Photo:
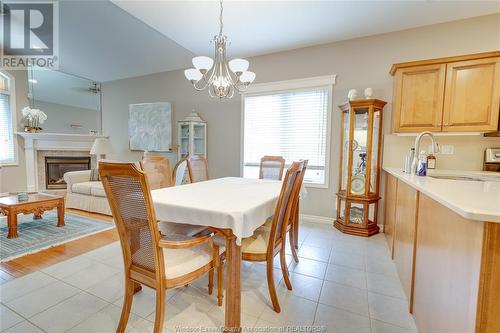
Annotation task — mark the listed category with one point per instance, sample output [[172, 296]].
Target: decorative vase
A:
[[353, 94], [368, 93]]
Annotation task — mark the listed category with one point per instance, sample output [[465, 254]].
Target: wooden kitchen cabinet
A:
[[404, 236], [418, 98], [472, 95], [390, 198], [454, 94]]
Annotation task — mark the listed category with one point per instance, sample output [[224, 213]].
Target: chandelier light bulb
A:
[[193, 75], [238, 66], [203, 64], [247, 77]]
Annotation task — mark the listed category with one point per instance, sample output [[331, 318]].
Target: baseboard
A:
[[316, 219]]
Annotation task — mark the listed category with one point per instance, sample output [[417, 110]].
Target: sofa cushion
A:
[[82, 188], [97, 190]]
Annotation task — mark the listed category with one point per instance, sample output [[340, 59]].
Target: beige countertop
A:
[[474, 200]]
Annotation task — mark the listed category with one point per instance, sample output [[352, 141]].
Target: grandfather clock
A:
[[359, 172]]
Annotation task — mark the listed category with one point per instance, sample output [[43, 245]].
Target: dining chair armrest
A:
[[182, 241]]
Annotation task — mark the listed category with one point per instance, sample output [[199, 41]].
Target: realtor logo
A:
[[30, 34]]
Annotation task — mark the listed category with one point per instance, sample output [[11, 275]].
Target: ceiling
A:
[[109, 40], [259, 27]]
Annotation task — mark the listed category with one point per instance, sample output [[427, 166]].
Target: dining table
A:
[[232, 205]]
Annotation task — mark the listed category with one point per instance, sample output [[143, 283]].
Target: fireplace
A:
[[57, 166]]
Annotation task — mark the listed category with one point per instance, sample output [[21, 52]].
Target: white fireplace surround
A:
[[34, 142]]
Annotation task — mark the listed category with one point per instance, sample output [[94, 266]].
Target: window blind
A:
[[290, 124], [6, 130]]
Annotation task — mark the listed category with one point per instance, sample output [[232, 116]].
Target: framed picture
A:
[[150, 127]]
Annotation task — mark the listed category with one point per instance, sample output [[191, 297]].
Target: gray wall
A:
[[359, 63], [60, 117]]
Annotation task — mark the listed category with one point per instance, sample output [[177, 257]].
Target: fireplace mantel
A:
[[51, 141]]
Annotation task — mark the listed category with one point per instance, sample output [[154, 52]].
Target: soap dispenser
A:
[[422, 164]]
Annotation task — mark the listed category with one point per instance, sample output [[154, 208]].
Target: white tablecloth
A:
[[239, 204]]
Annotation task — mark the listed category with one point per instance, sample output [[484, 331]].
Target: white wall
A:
[[60, 117], [359, 63]]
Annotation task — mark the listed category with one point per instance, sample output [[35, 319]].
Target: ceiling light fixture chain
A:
[[222, 78]]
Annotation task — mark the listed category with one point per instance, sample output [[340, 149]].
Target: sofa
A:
[[85, 194]]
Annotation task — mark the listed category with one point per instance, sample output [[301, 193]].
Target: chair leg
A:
[[160, 309], [292, 244], [296, 229], [271, 286], [284, 268], [210, 281], [127, 305], [220, 276]]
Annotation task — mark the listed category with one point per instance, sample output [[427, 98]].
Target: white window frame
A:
[[293, 85], [12, 93]]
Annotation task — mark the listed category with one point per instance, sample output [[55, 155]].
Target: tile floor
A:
[[343, 283]]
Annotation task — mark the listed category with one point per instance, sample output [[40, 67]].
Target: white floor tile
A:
[[344, 275], [8, 318], [345, 297], [303, 286], [42, 298], [385, 284], [390, 310], [91, 275], [24, 327], [68, 313], [104, 321], [24, 285], [340, 321], [309, 267], [69, 267], [347, 259], [315, 253], [381, 266], [294, 311], [110, 289], [381, 327]]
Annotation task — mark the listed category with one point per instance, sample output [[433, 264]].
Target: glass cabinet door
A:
[[359, 151], [374, 152], [184, 144], [199, 139], [345, 150]]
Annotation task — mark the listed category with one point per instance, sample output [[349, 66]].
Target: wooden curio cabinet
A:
[[359, 172]]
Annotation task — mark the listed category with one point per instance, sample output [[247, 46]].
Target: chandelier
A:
[[220, 77]]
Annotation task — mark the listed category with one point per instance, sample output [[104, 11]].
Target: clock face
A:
[[358, 184]]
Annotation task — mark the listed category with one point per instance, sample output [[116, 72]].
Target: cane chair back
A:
[[158, 170], [271, 167], [289, 190], [198, 168], [180, 171], [128, 193]]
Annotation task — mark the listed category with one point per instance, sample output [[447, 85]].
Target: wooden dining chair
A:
[[158, 169], [271, 167], [269, 239], [179, 172], [151, 258], [293, 230], [198, 168]]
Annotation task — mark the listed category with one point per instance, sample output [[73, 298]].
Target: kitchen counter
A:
[[474, 200]]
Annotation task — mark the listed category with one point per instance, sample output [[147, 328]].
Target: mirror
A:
[[72, 103]]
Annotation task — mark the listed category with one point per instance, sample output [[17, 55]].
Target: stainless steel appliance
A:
[[492, 159]]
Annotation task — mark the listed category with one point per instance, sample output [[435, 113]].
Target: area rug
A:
[[37, 235]]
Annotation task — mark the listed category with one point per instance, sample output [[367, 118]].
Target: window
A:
[[290, 123], [7, 151]]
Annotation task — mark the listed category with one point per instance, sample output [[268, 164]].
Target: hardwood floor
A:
[[24, 265]]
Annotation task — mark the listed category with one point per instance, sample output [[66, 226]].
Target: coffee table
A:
[[36, 204]]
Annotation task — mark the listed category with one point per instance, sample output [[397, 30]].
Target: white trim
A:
[[305, 218], [305, 83], [13, 110], [266, 87]]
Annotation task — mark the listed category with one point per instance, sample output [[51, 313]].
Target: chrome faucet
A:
[[435, 149]]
